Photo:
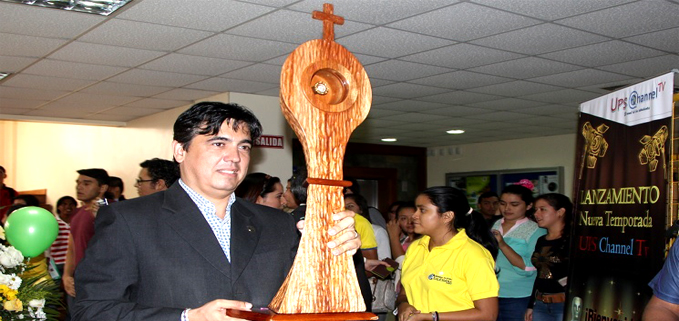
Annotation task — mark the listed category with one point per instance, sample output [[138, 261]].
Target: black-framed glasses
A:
[[139, 181]]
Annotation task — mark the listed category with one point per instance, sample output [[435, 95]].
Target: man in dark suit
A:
[[194, 250]]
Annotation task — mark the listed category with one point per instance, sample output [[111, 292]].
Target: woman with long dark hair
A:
[[553, 212], [516, 235], [260, 188], [448, 273]]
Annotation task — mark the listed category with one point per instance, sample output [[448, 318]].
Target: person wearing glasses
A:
[[156, 175]]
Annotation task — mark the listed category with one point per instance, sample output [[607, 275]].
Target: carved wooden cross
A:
[[329, 21], [325, 94]]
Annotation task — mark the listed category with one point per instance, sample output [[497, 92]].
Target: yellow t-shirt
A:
[[450, 277], [365, 231]]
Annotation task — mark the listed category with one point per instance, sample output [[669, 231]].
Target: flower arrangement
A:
[[26, 293]]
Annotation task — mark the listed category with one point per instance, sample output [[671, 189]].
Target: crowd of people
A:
[[149, 258]]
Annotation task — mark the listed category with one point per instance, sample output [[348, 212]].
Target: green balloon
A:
[[31, 230]]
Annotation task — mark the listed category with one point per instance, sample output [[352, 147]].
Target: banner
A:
[[620, 196]]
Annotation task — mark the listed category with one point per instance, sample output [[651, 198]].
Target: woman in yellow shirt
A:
[[448, 274]]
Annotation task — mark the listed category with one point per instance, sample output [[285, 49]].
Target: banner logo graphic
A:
[[595, 144], [654, 146]]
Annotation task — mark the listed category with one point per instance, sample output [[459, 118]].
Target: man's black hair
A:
[[206, 118], [97, 173], [163, 169]]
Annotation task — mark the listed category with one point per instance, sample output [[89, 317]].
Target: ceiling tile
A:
[[398, 70], [579, 78], [409, 106], [30, 46], [460, 80], [493, 124], [527, 67], [141, 35], [516, 88], [407, 91], [63, 84], [238, 48], [158, 103], [104, 55], [379, 112], [14, 64], [662, 40], [10, 103], [603, 53], [460, 22], [506, 104], [377, 99], [194, 65], [108, 117], [48, 67], [120, 89], [13, 111], [272, 3], [29, 93], [186, 94], [563, 96], [391, 43], [458, 111], [638, 17], [300, 27], [273, 92], [158, 78], [69, 109], [646, 68], [498, 116], [540, 39], [550, 9], [44, 22], [257, 72], [459, 98], [202, 15], [462, 56], [192, 50], [230, 85], [547, 110], [131, 111], [376, 82], [79, 100], [367, 11]]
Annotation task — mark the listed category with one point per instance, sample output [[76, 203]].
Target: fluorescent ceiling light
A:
[[101, 7], [390, 140], [455, 131]]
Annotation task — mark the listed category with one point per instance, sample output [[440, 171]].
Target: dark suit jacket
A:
[[154, 256]]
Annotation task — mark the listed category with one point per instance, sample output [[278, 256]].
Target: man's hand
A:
[[69, 284], [216, 310], [346, 238]]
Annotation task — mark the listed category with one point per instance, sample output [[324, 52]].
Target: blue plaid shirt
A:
[[220, 227]]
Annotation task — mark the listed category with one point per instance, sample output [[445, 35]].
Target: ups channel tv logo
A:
[[444, 279]]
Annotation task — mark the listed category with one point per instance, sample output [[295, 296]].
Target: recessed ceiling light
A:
[[390, 139], [455, 131], [100, 7]]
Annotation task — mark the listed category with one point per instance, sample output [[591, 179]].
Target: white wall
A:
[[46, 155], [549, 151], [275, 162]]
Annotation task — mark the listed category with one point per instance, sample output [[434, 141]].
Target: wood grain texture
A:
[[320, 282]]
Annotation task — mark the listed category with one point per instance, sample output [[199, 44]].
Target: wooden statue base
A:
[[267, 315]]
